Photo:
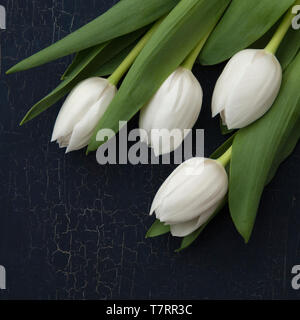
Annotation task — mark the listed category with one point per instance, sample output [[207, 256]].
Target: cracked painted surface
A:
[[71, 229]]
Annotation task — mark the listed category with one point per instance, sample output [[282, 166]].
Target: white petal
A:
[[77, 104], [185, 228], [188, 193], [247, 88], [229, 79], [195, 194], [84, 129], [176, 106], [255, 93], [168, 187]]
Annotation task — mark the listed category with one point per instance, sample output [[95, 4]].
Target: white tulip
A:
[[190, 195], [247, 88], [176, 105], [81, 113]]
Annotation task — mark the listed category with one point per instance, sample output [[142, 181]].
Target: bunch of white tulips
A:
[[245, 91]]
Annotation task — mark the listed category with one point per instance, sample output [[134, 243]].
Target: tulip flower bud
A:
[[190, 195], [247, 88], [81, 113], [176, 105]]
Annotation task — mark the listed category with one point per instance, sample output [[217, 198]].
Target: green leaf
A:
[[109, 67], [85, 66], [263, 41], [284, 152], [289, 48], [223, 148], [157, 229], [125, 17], [77, 59], [243, 23], [188, 240], [224, 129], [116, 51], [174, 39], [259, 149]]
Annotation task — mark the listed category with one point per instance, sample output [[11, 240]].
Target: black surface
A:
[[72, 229]]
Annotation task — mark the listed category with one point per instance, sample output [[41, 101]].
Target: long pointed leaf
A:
[[125, 17], [119, 45]]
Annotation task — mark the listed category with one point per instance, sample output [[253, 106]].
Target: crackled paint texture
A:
[[71, 229]]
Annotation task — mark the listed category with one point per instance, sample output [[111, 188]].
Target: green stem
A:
[[129, 60], [280, 33], [190, 60], [226, 157]]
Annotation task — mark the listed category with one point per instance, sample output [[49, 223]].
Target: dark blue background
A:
[[72, 229]]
